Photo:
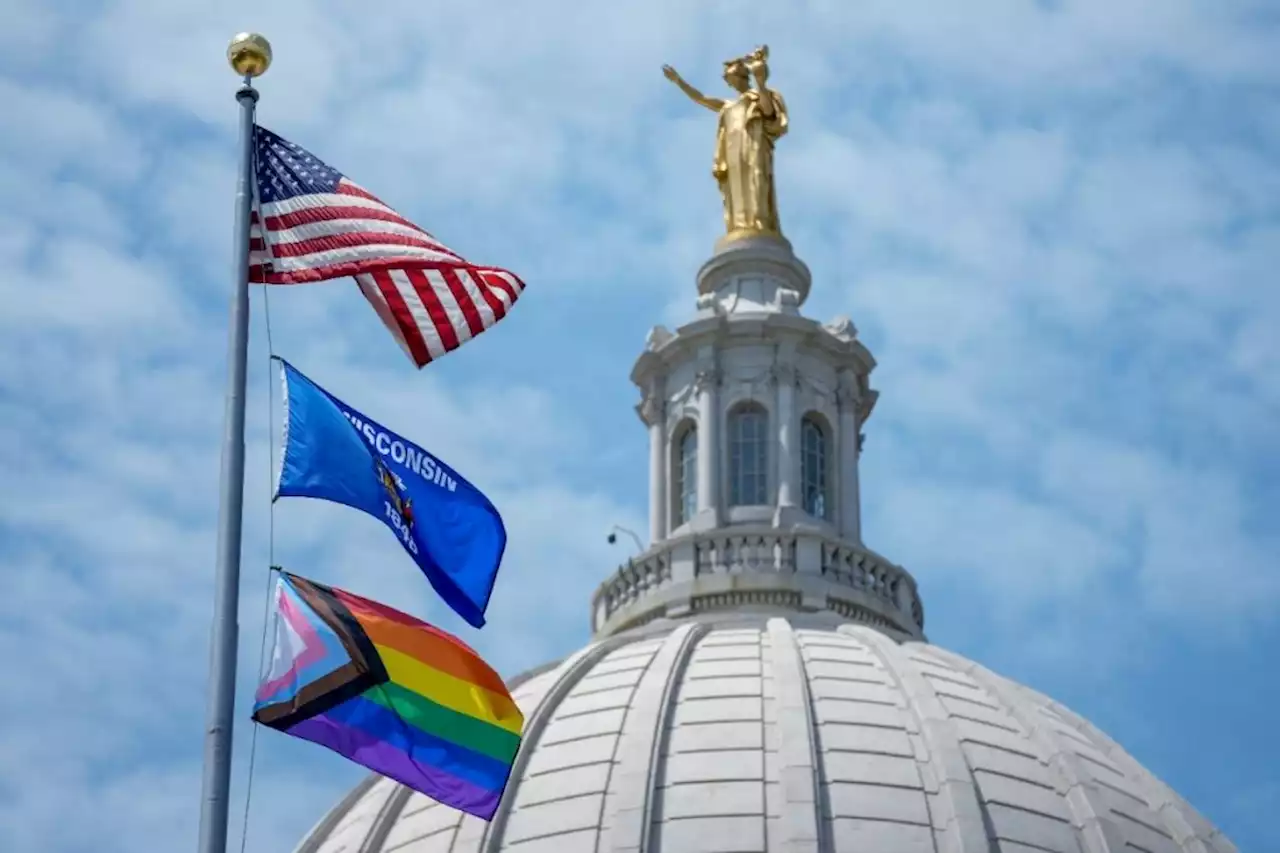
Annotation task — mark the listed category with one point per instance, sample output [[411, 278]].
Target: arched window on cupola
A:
[[748, 455], [815, 459], [685, 473]]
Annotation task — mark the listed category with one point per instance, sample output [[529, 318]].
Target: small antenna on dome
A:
[[613, 537]]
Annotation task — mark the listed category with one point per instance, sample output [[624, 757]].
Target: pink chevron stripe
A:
[[312, 646]]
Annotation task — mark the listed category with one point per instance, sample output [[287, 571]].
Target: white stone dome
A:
[[745, 732], [759, 680]]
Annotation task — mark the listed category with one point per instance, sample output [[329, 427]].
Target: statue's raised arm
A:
[[749, 125], [713, 104]]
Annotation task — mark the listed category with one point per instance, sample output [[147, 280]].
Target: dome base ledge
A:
[[777, 594]]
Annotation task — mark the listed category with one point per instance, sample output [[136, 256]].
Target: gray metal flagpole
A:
[[250, 56]]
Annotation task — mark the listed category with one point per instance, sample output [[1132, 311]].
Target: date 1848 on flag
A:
[[311, 223]]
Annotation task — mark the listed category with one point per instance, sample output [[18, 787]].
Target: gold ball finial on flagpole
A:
[[249, 54]]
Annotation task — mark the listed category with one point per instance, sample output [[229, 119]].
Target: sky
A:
[[1056, 224]]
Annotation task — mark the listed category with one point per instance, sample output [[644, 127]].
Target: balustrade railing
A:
[[635, 579], [733, 554], [766, 551]]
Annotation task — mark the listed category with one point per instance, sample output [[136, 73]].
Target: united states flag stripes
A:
[[310, 223], [432, 310]]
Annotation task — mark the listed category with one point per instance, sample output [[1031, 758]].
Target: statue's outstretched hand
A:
[[671, 74]]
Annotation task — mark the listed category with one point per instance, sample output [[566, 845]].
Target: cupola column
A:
[[707, 386], [784, 378], [850, 499], [653, 411]]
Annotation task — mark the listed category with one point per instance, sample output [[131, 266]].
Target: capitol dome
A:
[[759, 680]]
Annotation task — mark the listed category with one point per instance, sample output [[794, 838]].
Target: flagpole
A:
[[250, 56]]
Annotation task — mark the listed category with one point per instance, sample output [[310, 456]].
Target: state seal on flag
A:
[[402, 505]]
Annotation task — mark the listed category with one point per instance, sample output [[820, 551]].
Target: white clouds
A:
[[1020, 170], [1201, 559], [112, 574], [87, 288], [1147, 199], [1036, 48], [47, 128], [1063, 267], [1018, 550], [32, 26]]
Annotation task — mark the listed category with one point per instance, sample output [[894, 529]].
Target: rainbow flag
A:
[[391, 693]]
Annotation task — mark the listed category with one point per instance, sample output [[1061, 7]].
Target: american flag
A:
[[310, 223]]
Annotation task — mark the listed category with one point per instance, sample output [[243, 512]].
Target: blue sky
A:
[[1056, 225]]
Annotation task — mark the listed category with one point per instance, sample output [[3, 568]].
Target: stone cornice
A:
[[681, 346]]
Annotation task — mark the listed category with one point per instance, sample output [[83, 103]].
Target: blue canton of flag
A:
[[450, 529], [311, 223], [286, 170]]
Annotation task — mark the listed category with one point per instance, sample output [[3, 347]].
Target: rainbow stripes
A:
[[391, 693]]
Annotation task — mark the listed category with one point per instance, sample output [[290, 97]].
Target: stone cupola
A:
[[755, 415]]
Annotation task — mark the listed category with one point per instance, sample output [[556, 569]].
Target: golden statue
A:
[[750, 124]]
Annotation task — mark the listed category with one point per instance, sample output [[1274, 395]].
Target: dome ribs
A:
[[710, 772], [562, 800], [873, 792], [1177, 816], [574, 669], [323, 830], [639, 756], [801, 824], [386, 820], [964, 825], [422, 826], [787, 732], [412, 823], [1089, 810], [352, 826]]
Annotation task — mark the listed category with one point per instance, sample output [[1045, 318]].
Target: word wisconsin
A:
[[413, 458]]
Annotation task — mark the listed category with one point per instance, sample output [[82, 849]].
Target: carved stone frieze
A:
[[707, 379], [842, 327], [784, 373], [652, 409]]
